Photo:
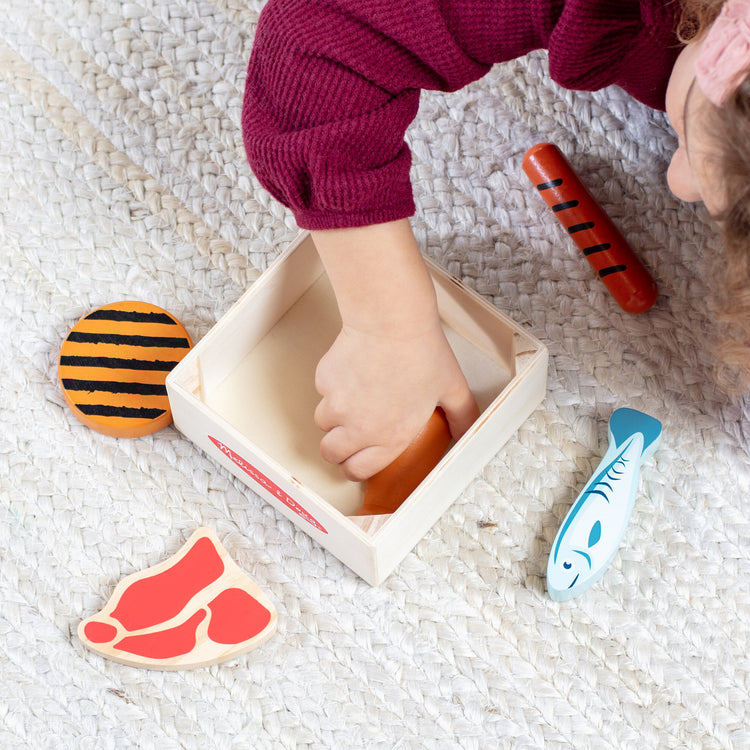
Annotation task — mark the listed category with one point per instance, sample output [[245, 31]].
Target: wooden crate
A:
[[245, 394]]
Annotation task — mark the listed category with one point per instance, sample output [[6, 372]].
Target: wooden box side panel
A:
[[372, 555], [403, 530], [473, 318], [257, 311], [263, 476]]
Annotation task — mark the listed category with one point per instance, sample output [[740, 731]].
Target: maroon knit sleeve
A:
[[332, 87], [629, 43]]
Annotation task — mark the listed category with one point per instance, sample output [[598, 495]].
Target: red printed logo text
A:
[[267, 484]]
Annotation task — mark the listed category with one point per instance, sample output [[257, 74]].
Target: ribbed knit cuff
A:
[[313, 220]]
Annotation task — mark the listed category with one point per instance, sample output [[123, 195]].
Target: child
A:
[[332, 86]]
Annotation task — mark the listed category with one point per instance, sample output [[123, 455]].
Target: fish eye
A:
[[567, 565]]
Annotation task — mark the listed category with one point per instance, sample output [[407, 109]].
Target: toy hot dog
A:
[[593, 231], [387, 489]]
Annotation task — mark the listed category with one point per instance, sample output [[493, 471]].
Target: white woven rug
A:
[[122, 175]]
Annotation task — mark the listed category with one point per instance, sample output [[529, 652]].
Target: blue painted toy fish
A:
[[592, 530]]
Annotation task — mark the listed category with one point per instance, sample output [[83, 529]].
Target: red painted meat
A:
[[195, 609]]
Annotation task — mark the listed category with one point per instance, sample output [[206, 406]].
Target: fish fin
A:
[[595, 534]]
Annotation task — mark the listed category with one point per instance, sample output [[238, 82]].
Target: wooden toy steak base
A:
[[386, 490], [195, 609]]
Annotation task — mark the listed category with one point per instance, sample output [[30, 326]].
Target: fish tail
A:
[[626, 422]]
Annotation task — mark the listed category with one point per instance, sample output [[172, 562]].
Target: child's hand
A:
[[379, 391], [391, 365]]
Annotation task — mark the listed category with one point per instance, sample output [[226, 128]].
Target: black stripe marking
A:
[[596, 248], [113, 386], [165, 342], [114, 363], [580, 227], [612, 269], [100, 410], [562, 206], [547, 185], [131, 316]]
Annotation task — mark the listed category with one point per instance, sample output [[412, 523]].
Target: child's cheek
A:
[[680, 177]]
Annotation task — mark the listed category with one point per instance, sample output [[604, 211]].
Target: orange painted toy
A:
[[593, 231], [113, 365], [387, 489]]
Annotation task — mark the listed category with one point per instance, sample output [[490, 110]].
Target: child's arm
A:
[[391, 364]]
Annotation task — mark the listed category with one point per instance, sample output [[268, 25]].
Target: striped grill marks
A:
[[590, 228], [113, 366], [579, 226]]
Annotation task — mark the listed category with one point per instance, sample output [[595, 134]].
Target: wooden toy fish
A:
[[591, 533]]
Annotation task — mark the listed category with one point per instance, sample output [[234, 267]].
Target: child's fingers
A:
[[324, 417], [357, 457], [357, 463], [365, 463], [461, 411], [336, 446]]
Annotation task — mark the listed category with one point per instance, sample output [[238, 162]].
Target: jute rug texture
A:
[[123, 176]]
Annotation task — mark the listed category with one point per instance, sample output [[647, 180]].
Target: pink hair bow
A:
[[724, 60]]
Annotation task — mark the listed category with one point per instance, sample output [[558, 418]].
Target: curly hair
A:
[[731, 127], [697, 16]]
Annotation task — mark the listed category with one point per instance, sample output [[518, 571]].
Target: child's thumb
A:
[[461, 411]]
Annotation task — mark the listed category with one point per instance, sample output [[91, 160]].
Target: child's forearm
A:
[[391, 364], [381, 283]]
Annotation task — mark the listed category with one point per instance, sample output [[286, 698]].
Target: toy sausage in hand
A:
[[593, 231], [387, 489]]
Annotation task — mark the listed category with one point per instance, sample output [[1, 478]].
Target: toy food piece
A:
[[593, 231], [195, 609], [591, 533], [113, 365], [387, 489]]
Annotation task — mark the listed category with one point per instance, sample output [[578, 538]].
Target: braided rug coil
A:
[[123, 176]]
